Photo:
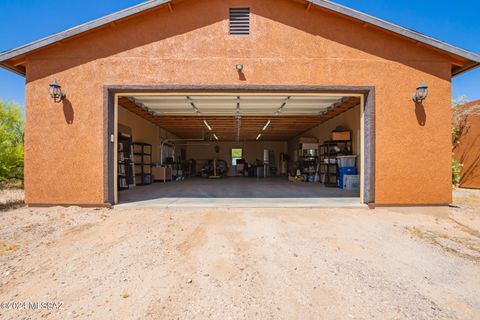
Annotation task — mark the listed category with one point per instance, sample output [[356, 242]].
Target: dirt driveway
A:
[[241, 263]]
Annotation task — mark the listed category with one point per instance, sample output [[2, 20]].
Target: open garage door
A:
[[212, 147]]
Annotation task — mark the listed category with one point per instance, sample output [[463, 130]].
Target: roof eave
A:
[[408, 33], [97, 23], [460, 71], [16, 70]]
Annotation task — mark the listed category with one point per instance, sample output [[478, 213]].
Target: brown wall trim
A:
[[45, 205], [369, 118], [108, 157], [391, 206], [238, 88], [369, 148]]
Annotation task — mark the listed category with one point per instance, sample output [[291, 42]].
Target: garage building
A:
[[238, 99]]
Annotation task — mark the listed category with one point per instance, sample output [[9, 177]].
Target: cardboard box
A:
[[162, 173], [309, 146], [345, 135], [303, 140]]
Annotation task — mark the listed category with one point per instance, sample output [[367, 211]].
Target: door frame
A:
[[367, 122]]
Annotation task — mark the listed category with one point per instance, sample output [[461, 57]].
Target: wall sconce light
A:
[[239, 67], [421, 93], [56, 92]]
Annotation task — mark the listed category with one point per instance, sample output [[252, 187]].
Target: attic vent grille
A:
[[239, 21]]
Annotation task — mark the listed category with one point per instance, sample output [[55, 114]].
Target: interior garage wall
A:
[[350, 120], [144, 131], [252, 150]]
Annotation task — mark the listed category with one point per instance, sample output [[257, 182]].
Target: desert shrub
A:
[[456, 170], [11, 142]]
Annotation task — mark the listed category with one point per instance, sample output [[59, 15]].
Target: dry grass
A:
[[465, 247], [416, 232], [7, 247]]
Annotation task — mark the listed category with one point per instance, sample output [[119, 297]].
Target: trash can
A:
[[346, 161], [342, 172], [346, 166]]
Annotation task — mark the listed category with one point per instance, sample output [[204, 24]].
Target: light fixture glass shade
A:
[[56, 91], [421, 92]]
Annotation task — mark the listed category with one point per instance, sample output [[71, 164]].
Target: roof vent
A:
[[239, 21]]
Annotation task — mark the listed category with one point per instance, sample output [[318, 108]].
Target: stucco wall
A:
[[288, 45], [467, 151]]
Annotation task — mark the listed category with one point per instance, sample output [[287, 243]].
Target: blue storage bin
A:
[[343, 171]]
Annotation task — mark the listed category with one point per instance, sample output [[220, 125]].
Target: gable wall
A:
[[191, 45]]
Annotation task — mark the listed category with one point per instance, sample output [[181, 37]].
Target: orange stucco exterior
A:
[[64, 149]]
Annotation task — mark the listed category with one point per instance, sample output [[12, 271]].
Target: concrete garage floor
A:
[[237, 192]]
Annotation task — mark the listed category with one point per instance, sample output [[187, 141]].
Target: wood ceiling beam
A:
[[282, 127]]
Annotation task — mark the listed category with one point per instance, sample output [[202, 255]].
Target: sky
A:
[[456, 23]]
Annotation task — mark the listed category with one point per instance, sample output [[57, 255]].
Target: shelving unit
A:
[[309, 166], [308, 160], [125, 163], [329, 151], [142, 153]]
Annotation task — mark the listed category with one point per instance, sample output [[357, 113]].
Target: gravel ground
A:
[[11, 198], [389, 263]]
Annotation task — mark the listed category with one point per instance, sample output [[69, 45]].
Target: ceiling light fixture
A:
[[193, 105], [207, 125], [238, 119], [266, 125], [283, 105], [258, 137], [238, 123], [215, 136]]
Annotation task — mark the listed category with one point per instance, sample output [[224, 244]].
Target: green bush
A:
[[11, 141], [456, 169], [456, 134]]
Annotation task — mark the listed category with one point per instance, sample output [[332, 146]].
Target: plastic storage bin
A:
[[351, 182], [346, 161], [344, 171]]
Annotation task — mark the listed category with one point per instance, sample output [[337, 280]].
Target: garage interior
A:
[[249, 145]]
